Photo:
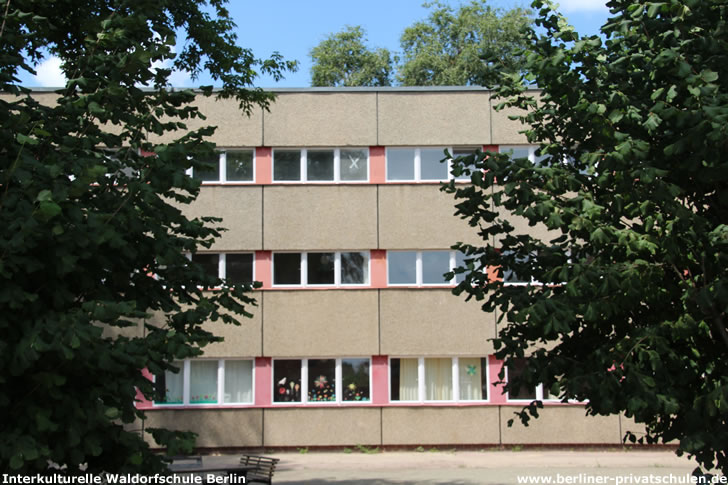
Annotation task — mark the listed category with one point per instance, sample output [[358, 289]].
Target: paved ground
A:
[[478, 467]]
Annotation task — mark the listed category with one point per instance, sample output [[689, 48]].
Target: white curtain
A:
[[408, 380], [203, 381], [173, 384], [238, 381], [438, 379], [471, 379]]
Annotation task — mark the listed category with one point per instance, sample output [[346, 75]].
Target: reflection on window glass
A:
[[286, 165], [353, 164], [203, 382], [516, 367], [431, 167], [239, 165], [354, 268], [355, 379], [238, 381], [287, 269], [473, 378], [400, 163], [517, 152], [208, 261], [402, 267], [210, 172], [239, 268], [168, 386], [463, 152], [434, 265], [320, 165], [321, 268], [321, 380], [287, 380], [459, 262], [403, 379]]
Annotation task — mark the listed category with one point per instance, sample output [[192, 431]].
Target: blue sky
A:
[[293, 28]]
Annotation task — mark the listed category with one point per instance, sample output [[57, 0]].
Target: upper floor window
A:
[[321, 268], [438, 379], [422, 164], [233, 268], [321, 380], [202, 381], [522, 151], [321, 165], [235, 166], [423, 268], [515, 368]]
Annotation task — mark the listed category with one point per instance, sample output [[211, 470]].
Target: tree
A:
[[92, 239], [343, 59], [629, 312], [450, 48]]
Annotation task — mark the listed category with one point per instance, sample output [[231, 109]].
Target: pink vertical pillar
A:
[[379, 268], [263, 165], [263, 268], [141, 401], [496, 391], [380, 379], [263, 380], [377, 165]]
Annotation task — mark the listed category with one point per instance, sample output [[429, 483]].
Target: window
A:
[[233, 268], [421, 164], [523, 151], [321, 269], [512, 276], [422, 268], [228, 166], [438, 379], [333, 381], [321, 165], [515, 368], [202, 381]]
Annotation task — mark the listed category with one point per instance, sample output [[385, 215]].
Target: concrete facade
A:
[[315, 323]]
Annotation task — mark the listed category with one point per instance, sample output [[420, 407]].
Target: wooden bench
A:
[[265, 466]]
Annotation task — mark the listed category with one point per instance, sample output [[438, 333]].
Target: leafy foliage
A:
[[343, 59], [470, 46], [83, 229], [628, 235]]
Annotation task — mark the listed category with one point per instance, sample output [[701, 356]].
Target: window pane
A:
[[516, 367], [287, 269], [402, 267], [403, 380], [434, 265], [239, 268], [238, 381], [287, 381], [473, 378], [287, 165], [459, 262], [168, 386], [321, 380], [239, 166], [463, 152], [431, 168], [203, 381], [320, 165], [354, 268], [516, 152], [321, 268], [438, 379], [400, 164], [355, 379], [353, 164], [209, 173], [209, 262], [510, 275]]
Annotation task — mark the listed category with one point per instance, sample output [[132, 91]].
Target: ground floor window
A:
[[438, 379], [344, 380], [206, 381]]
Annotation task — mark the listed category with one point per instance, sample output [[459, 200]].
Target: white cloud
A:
[[582, 5], [179, 79], [49, 73]]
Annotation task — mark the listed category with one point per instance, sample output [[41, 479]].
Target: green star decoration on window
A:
[[471, 370]]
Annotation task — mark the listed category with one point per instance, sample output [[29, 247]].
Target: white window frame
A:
[[419, 271], [222, 169], [222, 262], [338, 388], [185, 371], [418, 164], [337, 271], [422, 392], [337, 166]]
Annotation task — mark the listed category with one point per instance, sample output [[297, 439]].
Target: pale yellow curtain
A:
[[408, 380], [238, 381], [438, 379], [470, 379]]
